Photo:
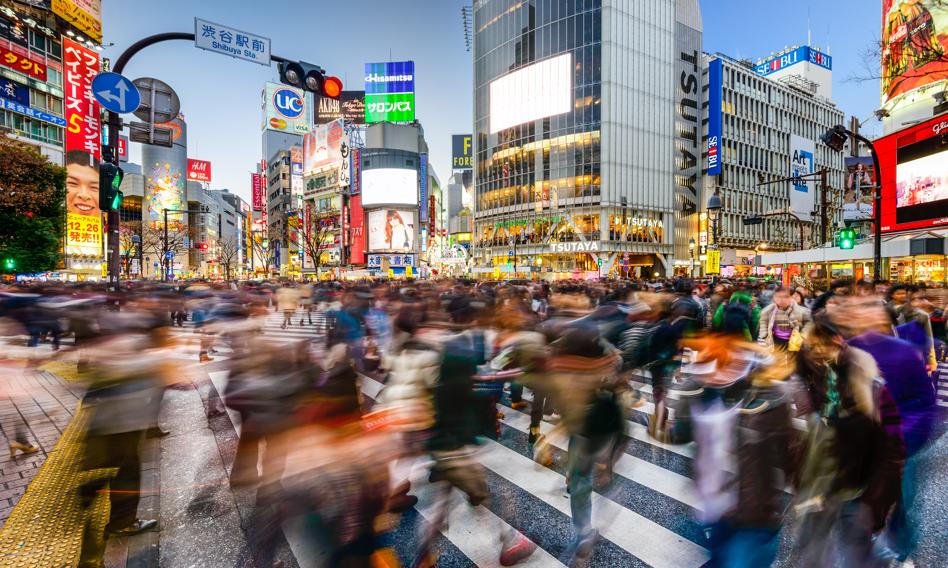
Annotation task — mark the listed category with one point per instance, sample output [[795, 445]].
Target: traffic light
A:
[[9, 265], [310, 78], [846, 238], [110, 180], [202, 246], [836, 138]]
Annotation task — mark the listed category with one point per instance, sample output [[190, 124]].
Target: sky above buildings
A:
[[221, 96]]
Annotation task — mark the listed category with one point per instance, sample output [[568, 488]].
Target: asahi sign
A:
[[579, 246]]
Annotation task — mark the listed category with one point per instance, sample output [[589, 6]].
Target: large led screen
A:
[[391, 230], [921, 181], [389, 186], [534, 92]]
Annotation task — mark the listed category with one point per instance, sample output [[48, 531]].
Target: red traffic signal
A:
[[202, 246], [332, 87]]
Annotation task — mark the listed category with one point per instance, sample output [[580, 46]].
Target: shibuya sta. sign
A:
[[579, 246]]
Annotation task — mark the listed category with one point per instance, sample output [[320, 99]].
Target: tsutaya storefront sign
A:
[[579, 246]]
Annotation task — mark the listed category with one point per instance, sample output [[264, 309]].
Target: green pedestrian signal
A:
[[9, 264], [846, 238], [110, 180]]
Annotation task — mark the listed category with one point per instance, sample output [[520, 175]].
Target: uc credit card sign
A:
[[286, 109]]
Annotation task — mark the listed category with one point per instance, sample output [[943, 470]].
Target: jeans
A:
[[741, 547], [852, 521], [902, 533], [582, 458]]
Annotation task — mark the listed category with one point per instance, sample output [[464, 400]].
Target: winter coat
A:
[[799, 318]]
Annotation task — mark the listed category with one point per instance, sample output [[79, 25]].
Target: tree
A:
[[32, 208], [128, 248], [262, 251], [154, 242], [909, 48], [227, 253], [319, 236]]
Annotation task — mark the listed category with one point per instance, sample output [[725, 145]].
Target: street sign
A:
[[159, 101], [115, 92], [712, 264], [169, 254], [148, 133], [229, 41]]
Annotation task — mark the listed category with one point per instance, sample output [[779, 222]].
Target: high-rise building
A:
[[764, 128], [279, 205], [587, 143]]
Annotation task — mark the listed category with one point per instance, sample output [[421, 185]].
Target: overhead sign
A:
[[803, 54], [715, 95], [350, 106], [286, 109], [233, 42], [462, 152], [23, 64], [84, 15], [80, 66], [390, 91], [116, 93], [199, 170], [712, 262], [159, 101], [802, 198]]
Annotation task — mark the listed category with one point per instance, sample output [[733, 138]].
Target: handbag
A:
[[796, 340]]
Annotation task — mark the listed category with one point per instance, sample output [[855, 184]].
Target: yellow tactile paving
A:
[[45, 528]]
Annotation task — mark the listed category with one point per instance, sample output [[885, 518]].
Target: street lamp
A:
[[137, 242], [714, 214], [691, 255], [836, 138]]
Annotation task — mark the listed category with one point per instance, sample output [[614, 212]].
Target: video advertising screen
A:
[[531, 93], [921, 185], [389, 186], [391, 230]]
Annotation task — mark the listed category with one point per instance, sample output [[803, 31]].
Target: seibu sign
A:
[[199, 170], [579, 246]]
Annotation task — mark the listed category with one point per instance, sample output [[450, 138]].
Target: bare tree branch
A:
[[319, 236], [228, 251]]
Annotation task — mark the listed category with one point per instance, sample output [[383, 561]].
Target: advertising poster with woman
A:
[[391, 230], [914, 45], [857, 197]]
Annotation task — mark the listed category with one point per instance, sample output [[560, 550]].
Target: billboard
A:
[[857, 196], [531, 93], [715, 93], [356, 230], [286, 109], [23, 64], [199, 170], [390, 91], [296, 170], [84, 15], [391, 230], [323, 147], [355, 182], [389, 186], [350, 107], [83, 235], [462, 152], [803, 54], [914, 170], [257, 192], [165, 171], [801, 163], [423, 187], [914, 45]]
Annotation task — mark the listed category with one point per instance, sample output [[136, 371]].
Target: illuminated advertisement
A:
[[801, 164], [423, 187], [84, 15], [389, 186], [296, 170], [257, 190], [531, 93], [390, 91], [80, 65], [83, 235], [286, 109], [914, 45], [391, 230], [715, 92], [857, 197], [323, 147], [803, 54], [350, 106], [23, 64], [462, 152], [356, 230], [199, 170], [914, 166]]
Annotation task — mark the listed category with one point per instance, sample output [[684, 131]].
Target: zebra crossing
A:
[[942, 385], [271, 332]]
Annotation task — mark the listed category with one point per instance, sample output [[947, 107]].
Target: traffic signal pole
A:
[[114, 125]]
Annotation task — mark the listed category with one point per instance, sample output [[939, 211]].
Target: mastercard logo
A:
[[277, 122]]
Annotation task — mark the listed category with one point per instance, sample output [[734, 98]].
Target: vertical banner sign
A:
[[83, 151], [801, 164], [248, 227], [423, 191], [80, 65], [356, 230], [256, 185], [715, 86], [355, 184], [296, 171], [712, 264]]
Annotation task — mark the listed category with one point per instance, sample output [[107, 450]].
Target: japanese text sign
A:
[[23, 64], [229, 41], [83, 235], [80, 66]]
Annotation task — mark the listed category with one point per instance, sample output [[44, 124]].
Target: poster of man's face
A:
[[82, 183]]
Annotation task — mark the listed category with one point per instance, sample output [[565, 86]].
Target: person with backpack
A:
[[738, 315]]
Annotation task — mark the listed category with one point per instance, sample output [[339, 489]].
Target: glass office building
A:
[[587, 136]]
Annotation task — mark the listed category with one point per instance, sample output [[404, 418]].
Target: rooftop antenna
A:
[[809, 33]]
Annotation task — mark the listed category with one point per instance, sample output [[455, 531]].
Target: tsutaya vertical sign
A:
[[801, 164], [687, 121], [715, 87], [80, 65]]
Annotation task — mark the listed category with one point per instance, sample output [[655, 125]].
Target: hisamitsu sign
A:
[[229, 41]]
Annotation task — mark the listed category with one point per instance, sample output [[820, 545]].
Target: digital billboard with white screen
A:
[[921, 184], [531, 93], [389, 186]]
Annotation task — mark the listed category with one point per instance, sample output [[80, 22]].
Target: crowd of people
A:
[[810, 412]]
